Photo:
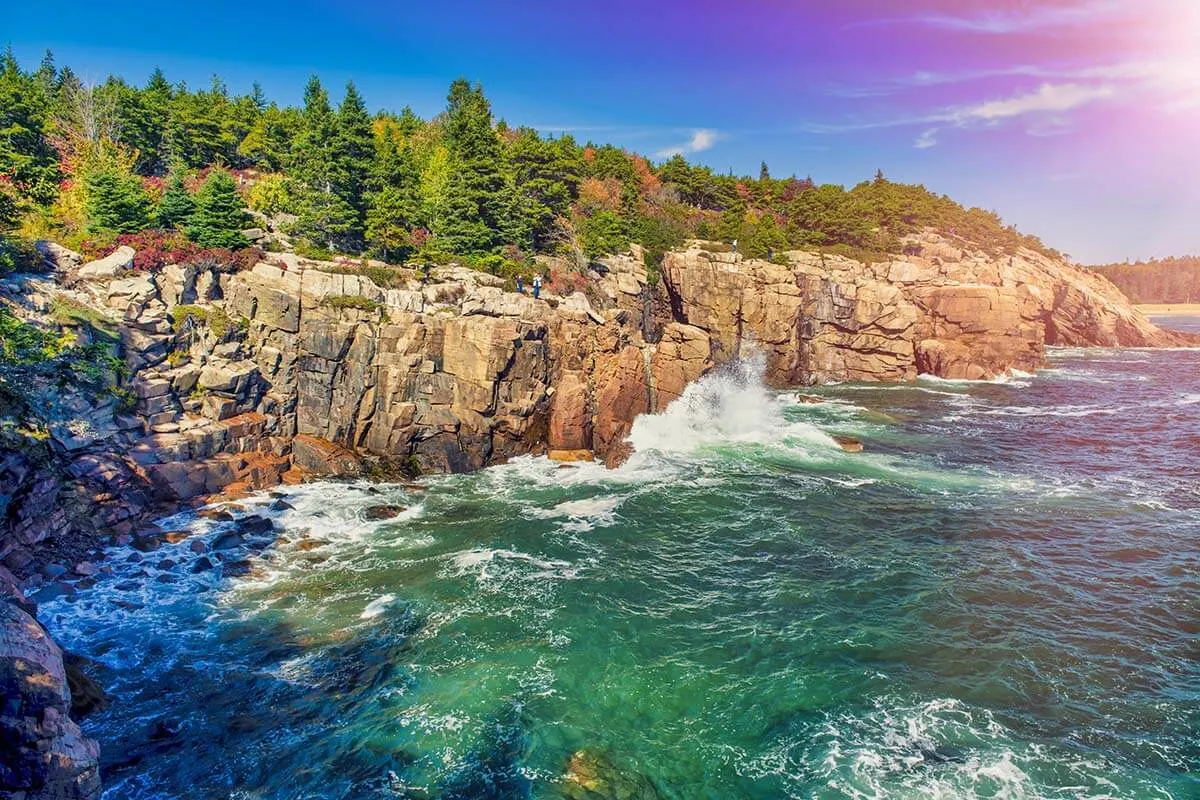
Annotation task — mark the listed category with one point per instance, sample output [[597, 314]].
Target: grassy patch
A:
[[355, 301], [382, 276], [212, 317]]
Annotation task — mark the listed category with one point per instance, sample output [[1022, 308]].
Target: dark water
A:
[[1000, 598]]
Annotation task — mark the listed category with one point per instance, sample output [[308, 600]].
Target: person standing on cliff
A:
[[520, 284], [735, 246], [537, 286]]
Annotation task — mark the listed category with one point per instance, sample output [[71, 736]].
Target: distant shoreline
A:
[[1169, 309]]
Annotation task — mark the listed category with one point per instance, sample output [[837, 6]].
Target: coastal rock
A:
[[43, 753]]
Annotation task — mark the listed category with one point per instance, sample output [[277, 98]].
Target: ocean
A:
[[998, 598]]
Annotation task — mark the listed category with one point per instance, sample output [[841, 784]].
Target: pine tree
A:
[[177, 206], [393, 202], [389, 220], [354, 150], [27, 160], [116, 201], [325, 218], [474, 210], [220, 215]]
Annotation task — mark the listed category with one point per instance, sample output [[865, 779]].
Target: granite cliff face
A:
[[938, 310], [243, 379], [240, 380]]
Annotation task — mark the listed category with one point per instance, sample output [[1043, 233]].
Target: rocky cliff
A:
[[295, 368], [298, 367]]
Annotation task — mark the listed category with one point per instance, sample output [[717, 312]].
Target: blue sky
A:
[[1076, 119]]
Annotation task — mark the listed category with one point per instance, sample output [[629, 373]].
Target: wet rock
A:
[[175, 537], [228, 540], [809, 399], [202, 564], [590, 775], [147, 543], [128, 586], [86, 694], [167, 563], [849, 444], [86, 568], [281, 505], [45, 755], [382, 512], [237, 569], [571, 456], [255, 525], [198, 546]]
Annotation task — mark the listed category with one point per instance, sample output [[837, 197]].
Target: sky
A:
[[1077, 120]]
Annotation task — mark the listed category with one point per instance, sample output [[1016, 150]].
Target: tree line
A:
[[84, 163], [1167, 280]]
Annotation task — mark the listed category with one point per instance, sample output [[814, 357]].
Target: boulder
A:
[[45, 755], [232, 378], [321, 457], [112, 265], [382, 512], [57, 256]]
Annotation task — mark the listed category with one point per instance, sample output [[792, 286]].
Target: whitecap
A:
[[377, 606]]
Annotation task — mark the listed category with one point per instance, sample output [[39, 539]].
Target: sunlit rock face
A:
[[937, 310]]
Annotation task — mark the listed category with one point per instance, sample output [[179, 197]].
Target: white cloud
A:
[[1037, 18], [1047, 98], [1057, 97], [702, 139], [927, 139]]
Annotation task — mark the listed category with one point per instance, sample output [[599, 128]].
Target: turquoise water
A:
[[998, 598]]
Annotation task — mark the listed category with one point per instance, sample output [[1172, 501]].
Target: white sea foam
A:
[[476, 561], [729, 406], [377, 606]]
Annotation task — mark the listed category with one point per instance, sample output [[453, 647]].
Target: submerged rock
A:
[[86, 694], [591, 775], [382, 512], [849, 444]]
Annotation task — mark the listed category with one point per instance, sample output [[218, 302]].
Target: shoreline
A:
[[1169, 309]]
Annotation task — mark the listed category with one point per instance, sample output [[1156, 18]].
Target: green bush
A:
[[219, 323], [355, 301], [18, 255]]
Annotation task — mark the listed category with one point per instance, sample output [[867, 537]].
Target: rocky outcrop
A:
[[939, 309], [43, 754]]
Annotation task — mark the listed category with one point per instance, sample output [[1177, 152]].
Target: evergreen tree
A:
[[220, 215], [766, 238], [354, 151], [603, 233], [546, 175], [116, 201], [393, 202], [27, 160], [325, 217], [267, 142], [193, 134], [389, 222], [177, 206], [470, 218]]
